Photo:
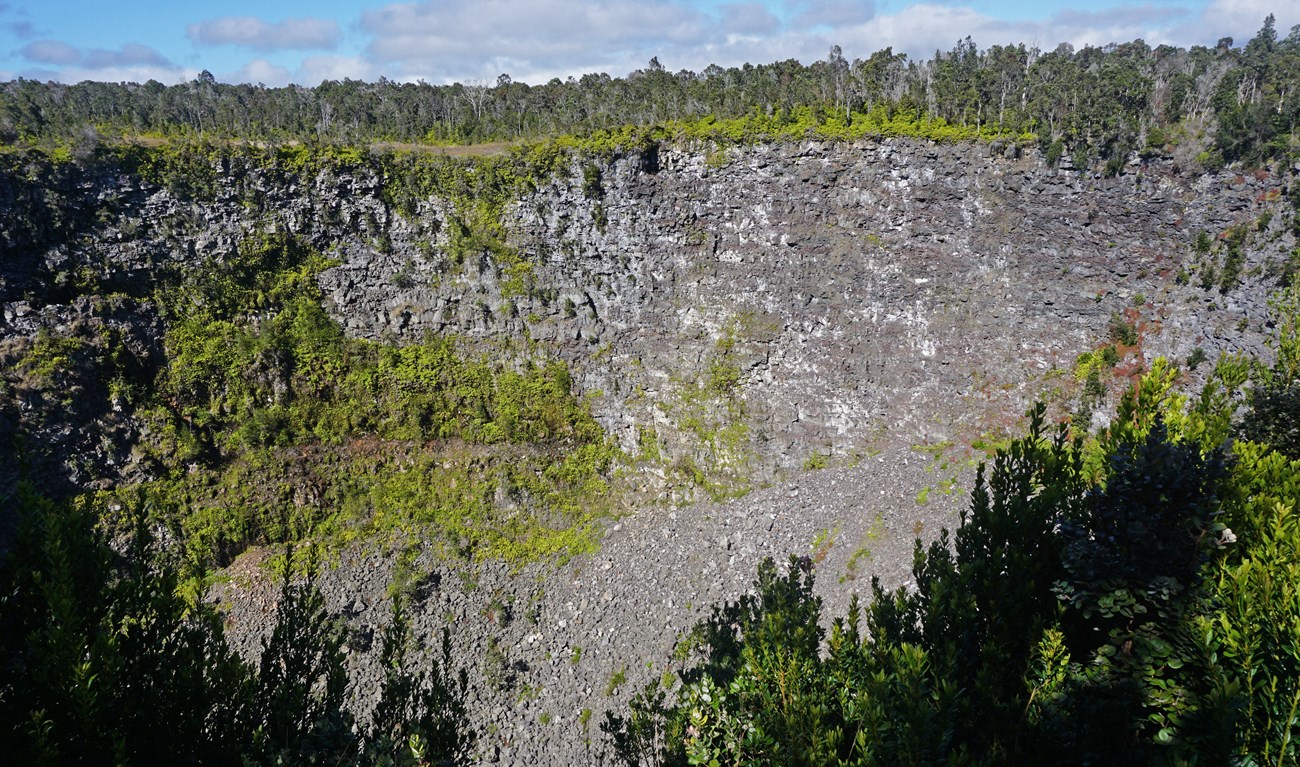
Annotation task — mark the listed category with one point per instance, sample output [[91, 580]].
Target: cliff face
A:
[[732, 313], [927, 292]]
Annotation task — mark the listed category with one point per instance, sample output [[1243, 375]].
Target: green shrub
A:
[[1254, 631], [1273, 417], [1233, 262], [593, 187], [104, 659], [1123, 330], [1203, 243], [1054, 152], [263, 392], [1086, 611]]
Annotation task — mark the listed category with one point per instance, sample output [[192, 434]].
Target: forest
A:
[[1220, 104], [1123, 595]]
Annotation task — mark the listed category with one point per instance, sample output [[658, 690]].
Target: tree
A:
[[104, 660], [1083, 613], [1273, 417], [838, 72]]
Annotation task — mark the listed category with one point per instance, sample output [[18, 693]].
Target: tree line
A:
[[1220, 104]]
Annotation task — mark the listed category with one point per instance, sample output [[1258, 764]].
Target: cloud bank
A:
[[131, 62], [451, 40], [443, 41], [258, 35]]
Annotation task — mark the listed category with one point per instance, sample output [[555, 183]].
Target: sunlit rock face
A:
[[827, 295], [738, 310]]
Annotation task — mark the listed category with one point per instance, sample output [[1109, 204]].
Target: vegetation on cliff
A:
[[1124, 598], [256, 368], [260, 420]]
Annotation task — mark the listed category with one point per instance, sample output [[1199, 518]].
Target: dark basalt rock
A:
[[845, 300], [928, 291]]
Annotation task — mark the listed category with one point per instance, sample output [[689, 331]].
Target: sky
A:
[[444, 41]]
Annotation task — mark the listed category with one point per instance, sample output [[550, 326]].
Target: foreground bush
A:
[[102, 661], [1130, 601]]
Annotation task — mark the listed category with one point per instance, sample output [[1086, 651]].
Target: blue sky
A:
[[534, 40]]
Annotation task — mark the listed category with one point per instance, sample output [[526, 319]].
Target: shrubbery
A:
[[262, 392], [104, 662], [1126, 600]]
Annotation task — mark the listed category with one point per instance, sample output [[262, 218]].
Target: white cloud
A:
[[50, 52], [748, 19], [130, 63], [129, 55], [1240, 20], [311, 71], [830, 13], [258, 35], [316, 69], [534, 40], [126, 74], [920, 30], [457, 39], [259, 71], [38, 74]]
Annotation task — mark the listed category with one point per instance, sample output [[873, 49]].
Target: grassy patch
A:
[[268, 423], [862, 554]]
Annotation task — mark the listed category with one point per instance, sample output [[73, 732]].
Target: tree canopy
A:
[[1222, 104]]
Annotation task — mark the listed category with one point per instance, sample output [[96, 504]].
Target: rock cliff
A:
[[734, 312], [733, 315]]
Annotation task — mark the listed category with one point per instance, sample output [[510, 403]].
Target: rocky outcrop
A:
[[920, 290], [738, 311], [732, 314], [551, 650]]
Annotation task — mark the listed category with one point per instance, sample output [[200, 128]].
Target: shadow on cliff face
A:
[[73, 377]]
